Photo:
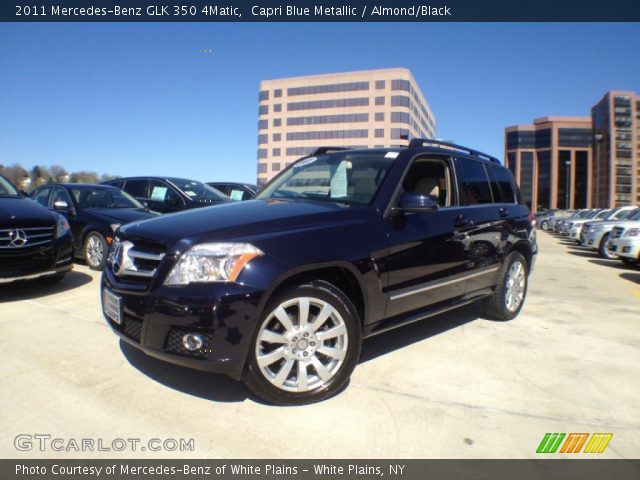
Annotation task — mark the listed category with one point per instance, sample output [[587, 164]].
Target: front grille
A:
[[132, 328], [174, 343], [135, 260], [21, 238], [617, 232]]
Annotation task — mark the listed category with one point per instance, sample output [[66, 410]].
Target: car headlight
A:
[[212, 262], [114, 227], [632, 232], [62, 226]]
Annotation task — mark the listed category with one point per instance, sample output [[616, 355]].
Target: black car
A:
[[281, 290], [34, 242], [94, 213], [236, 191], [166, 195]]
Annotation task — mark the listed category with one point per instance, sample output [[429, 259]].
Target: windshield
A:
[[621, 214], [603, 214], [103, 198], [346, 177], [7, 189], [635, 214], [198, 191]]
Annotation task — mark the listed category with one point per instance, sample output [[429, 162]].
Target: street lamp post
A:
[[567, 184]]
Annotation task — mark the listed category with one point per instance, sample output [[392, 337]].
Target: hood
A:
[[609, 223], [236, 220], [121, 215], [24, 212]]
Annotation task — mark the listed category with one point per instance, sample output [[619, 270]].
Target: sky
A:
[[182, 99]]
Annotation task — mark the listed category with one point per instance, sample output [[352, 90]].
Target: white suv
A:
[[596, 234], [625, 242]]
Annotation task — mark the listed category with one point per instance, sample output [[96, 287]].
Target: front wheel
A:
[[95, 251], [508, 298], [605, 249], [306, 345], [544, 225]]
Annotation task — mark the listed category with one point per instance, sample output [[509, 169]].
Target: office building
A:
[[552, 161], [616, 165], [373, 108]]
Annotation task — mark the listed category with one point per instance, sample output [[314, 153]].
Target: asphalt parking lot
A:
[[455, 386]]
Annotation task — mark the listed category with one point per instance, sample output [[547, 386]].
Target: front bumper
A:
[[627, 247], [34, 263], [224, 314], [593, 239]]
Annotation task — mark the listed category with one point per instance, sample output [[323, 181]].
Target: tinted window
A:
[[42, 196], [198, 191], [136, 188], [103, 198], [117, 183], [474, 183], [507, 184], [493, 183]]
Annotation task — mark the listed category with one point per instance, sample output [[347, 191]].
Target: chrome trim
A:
[[27, 277], [66, 259], [441, 284], [145, 255], [26, 245]]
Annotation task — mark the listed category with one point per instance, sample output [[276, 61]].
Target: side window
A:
[[136, 188], [429, 176], [117, 183], [42, 197], [161, 192], [507, 184], [61, 195], [473, 182], [495, 185]]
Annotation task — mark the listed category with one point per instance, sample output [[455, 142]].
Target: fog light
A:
[[192, 341]]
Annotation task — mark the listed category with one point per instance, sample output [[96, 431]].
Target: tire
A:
[[95, 251], [544, 225], [326, 352], [502, 304], [603, 251]]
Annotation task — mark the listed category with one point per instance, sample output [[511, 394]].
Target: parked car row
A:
[[91, 214], [613, 233]]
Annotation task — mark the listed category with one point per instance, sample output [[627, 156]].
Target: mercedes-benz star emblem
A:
[[17, 238], [119, 257]]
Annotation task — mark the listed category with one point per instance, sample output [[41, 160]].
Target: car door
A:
[[427, 252], [487, 214], [76, 222]]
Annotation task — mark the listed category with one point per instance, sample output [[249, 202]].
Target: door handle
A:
[[503, 212], [461, 221]]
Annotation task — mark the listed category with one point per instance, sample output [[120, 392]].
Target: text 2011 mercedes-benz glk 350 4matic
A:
[[342, 245]]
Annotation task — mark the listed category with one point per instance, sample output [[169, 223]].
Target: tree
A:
[[84, 177], [59, 173], [39, 175]]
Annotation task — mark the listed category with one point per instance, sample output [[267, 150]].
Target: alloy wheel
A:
[[515, 286], [301, 344]]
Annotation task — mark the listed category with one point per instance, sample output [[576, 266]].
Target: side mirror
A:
[[417, 203], [61, 205]]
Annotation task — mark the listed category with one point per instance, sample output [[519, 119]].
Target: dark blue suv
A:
[[342, 245]]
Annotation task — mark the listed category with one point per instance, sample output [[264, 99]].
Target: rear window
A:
[[473, 182], [507, 184]]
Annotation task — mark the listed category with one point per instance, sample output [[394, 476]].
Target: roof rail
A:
[[424, 142], [321, 150]]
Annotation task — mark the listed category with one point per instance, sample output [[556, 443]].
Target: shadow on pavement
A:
[[632, 277], [42, 287], [610, 263], [209, 386], [401, 337], [583, 253]]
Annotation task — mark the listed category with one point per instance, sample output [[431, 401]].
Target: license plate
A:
[[112, 306]]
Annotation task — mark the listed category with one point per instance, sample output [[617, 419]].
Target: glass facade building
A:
[[373, 108], [551, 161], [616, 159]]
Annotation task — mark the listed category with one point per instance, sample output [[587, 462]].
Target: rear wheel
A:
[[509, 296], [95, 251], [544, 225], [306, 345], [604, 249]]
